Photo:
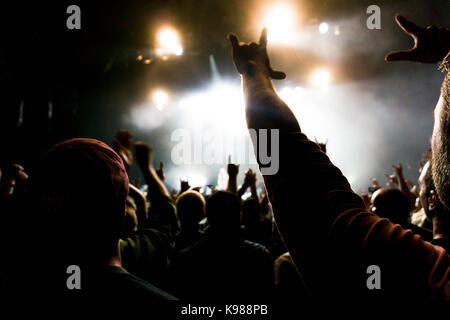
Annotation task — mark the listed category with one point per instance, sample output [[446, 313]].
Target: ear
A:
[[432, 201]]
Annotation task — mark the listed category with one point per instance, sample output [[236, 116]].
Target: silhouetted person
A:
[[254, 227], [434, 210], [147, 251], [78, 192], [394, 205], [221, 266], [191, 210], [330, 235]]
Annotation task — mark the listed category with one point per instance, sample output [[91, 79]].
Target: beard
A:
[[440, 168]]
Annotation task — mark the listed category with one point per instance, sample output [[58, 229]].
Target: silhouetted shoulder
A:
[[116, 280]]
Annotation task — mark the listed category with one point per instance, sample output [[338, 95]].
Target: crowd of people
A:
[[307, 236]]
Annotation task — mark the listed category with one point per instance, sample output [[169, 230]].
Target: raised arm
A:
[[331, 236], [144, 158], [253, 64]]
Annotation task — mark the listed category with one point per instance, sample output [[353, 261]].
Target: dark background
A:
[[82, 83]]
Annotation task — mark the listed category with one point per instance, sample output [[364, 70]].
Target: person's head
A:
[[79, 188], [440, 141], [223, 210], [392, 204], [191, 210], [251, 212]]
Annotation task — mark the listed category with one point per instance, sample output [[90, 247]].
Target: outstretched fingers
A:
[[407, 26]]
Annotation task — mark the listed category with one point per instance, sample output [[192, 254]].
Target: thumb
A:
[[275, 74], [402, 55]]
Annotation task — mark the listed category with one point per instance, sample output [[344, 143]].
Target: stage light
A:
[[196, 180], [279, 21], [220, 105], [168, 43], [178, 50], [337, 31], [160, 97], [323, 28], [321, 78], [167, 38]]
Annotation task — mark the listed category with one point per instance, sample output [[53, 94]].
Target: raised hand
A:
[[122, 145], [250, 178], [160, 171], [184, 186], [232, 169], [247, 57], [144, 154], [144, 158], [431, 44], [375, 185], [398, 169]]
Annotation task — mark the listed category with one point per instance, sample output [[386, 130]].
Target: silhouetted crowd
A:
[[306, 236]]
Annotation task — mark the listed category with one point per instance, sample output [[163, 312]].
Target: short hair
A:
[[223, 210], [80, 187], [190, 208], [392, 204]]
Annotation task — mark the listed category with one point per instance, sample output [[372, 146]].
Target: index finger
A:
[[406, 25], [234, 40], [263, 38]]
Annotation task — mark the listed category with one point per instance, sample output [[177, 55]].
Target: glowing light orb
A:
[[168, 43], [279, 21], [321, 78], [323, 28], [160, 97], [167, 38]]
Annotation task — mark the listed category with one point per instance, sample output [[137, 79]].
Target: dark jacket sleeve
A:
[[333, 239]]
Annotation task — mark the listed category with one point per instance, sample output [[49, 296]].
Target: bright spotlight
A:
[[167, 38], [196, 180], [323, 28], [279, 21], [321, 78], [168, 43], [160, 97]]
